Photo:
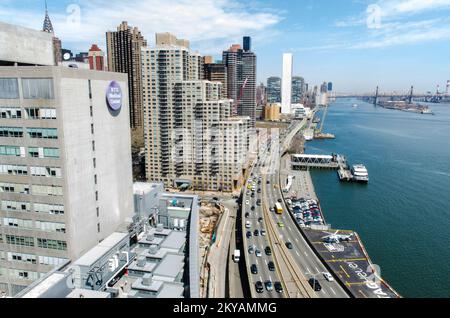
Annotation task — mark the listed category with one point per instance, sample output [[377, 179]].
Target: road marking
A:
[[298, 254], [331, 288], [306, 254]]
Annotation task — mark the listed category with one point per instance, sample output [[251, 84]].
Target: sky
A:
[[356, 44]]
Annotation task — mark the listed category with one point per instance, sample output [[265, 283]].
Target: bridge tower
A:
[[375, 101], [411, 95]]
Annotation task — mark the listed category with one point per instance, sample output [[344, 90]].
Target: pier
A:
[[305, 162]]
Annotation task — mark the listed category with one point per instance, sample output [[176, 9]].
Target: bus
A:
[[278, 208]]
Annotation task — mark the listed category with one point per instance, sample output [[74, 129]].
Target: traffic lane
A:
[[311, 264], [291, 234], [262, 262]]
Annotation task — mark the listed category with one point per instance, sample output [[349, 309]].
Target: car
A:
[[268, 182], [247, 215], [268, 251], [254, 269], [251, 250], [258, 253], [280, 224], [328, 277], [248, 225], [249, 234], [289, 245], [263, 232], [253, 208], [272, 210], [260, 219], [259, 190], [269, 286], [315, 284], [278, 287], [253, 195], [256, 233], [280, 200], [247, 202], [259, 287], [258, 202], [271, 266]]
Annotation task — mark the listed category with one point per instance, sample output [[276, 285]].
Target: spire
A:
[[48, 27]]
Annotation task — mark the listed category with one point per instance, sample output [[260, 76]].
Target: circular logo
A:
[[114, 96]]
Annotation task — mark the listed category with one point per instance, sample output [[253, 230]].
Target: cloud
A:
[[207, 23]]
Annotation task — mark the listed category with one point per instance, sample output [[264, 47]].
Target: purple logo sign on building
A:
[[114, 96]]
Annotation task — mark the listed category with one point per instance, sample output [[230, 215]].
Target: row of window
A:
[[37, 133], [31, 258], [38, 225], [33, 152], [32, 88], [31, 113], [30, 242], [21, 170], [21, 206], [46, 190]]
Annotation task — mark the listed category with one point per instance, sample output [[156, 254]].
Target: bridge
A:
[[305, 161]]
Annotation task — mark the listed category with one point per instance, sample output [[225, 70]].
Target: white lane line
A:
[[298, 254], [296, 240], [265, 261], [306, 254], [331, 288], [317, 270], [308, 270]]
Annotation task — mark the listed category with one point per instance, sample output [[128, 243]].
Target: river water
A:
[[403, 215]]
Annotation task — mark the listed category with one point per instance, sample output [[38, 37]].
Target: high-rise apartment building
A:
[[241, 68], [124, 56], [65, 161], [190, 137], [286, 84], [96, 58], [298, 89], [274, 90]]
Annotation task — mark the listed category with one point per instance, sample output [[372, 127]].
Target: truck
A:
[[278, 208], [236, 256]]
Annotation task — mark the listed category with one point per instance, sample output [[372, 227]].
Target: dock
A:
[[305, 162]]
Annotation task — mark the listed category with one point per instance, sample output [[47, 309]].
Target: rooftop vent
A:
[[141, 261], [147, 280], [153, 249], [160, 228]]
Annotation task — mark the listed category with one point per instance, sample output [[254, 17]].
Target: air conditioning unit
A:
[[147, 280], [141, 261]]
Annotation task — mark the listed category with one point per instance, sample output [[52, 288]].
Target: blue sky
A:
[[357, 44]]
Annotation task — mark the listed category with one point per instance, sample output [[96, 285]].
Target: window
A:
[[15, 188], [96, 195], [41, 113], [20, 240], [98, 212], [53, 209], [18, 223], [98, 227], [20, 257], [48, 172], [92, 128], [93, 145], [52, 244], [10, 112], [52, 153], [13, 170], [18, 206], [43, 133], [9, 88], [37, 88], [47, 190], [12, 151], [13, 132], [53, 261], [95, 179], [50, 226], [95, 163]]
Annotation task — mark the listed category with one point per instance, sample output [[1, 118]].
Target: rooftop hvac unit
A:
[[153, 249], [150, 237], [141, 261], [147, 280], [176, 223], [160, 228], [113, 291], [182, 224]]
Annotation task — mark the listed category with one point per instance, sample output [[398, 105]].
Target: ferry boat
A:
[[360, 173]]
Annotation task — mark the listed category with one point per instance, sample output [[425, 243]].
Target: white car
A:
[[263, 233], [248, 225], [258, 253], [328, 277], [247, 202]]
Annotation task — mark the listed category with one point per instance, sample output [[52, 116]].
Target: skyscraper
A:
[[190, 137], [216, 72], [330, 86], [286, 83], [298, 87], [96, 58], [48, 27], [241, 68], [124, 56], [274, 90], [65, 160]]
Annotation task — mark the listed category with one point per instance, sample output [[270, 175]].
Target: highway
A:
[[268, 167], [260, 242]]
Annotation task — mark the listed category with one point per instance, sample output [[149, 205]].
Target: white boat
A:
[[360, 173], [355, 105]]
